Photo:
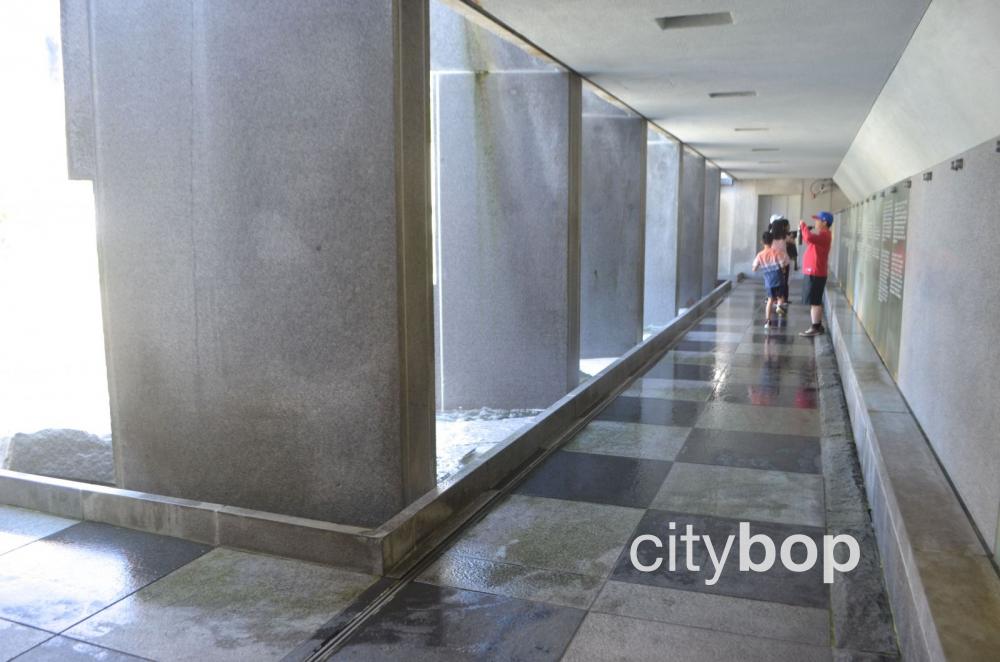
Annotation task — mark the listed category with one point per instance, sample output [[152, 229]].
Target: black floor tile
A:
[[652, 410], [430, 623], [607, 479], [700, 373], [767, 394], [752, 450], [720, 326], [784, 337], [778, 584], [61, 579], [704, 346]]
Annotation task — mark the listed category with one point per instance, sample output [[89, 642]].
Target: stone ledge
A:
[[376, 551], [944, 592]]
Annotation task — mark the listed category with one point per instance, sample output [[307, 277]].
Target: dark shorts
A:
[[812, 290], [783, 290], [773, 292]]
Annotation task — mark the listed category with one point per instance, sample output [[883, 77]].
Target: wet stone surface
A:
[[733, 424]]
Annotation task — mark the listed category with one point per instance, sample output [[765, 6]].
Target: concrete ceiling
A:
[[816, 66]]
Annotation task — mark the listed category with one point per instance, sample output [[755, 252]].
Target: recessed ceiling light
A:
[[765, 149], [727, 95], [750, 128], [695, 20]]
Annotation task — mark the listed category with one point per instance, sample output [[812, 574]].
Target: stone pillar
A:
[[690, 242], [662, 201], [710, 238], [505, 227], [261, 185], [611, 228]]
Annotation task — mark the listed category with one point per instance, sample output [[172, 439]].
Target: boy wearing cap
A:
[[814, 267]]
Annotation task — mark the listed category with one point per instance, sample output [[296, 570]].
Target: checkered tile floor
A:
[[725, 428]]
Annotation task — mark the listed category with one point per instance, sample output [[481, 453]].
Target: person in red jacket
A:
[[814, 267]]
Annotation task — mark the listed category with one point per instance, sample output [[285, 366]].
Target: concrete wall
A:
[[710, 238], [264, 249], [612, 182], [941, 99], [942, 102], [951, 325], [662, 203], [690, 235], [502, 221]]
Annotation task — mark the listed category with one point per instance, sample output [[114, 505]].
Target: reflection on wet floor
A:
[[726, 428]]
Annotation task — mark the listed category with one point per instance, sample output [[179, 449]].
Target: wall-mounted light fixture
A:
[[908, 184], [958, 164], [928, 176]]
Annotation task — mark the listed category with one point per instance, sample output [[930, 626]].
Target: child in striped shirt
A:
[[771, 263]]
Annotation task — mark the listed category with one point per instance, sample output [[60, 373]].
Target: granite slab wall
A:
[[948, 354], [662, 179], [710, 232], [502, 221], [264, 247], [612, 183], [690, 229]]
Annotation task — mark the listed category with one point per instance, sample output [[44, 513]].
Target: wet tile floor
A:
[[726, 428]]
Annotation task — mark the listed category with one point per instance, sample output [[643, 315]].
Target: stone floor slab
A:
[[226, 606], [766, 395], [567, 536], [716, 612], [653, 411], [746, 494], [59, 580], [752, 450], [604, 637], [652, 442], [426, 622], [770, 420], [64, 649], [778, 584], [16, 638], [774, 347], [512, 580], [671, 370], [670, 389], [19, 526], [606, 479]]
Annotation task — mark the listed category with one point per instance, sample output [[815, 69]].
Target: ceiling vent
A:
[[695, 20], [727, 95]]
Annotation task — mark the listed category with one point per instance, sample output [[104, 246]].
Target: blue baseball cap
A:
[[824, 216]]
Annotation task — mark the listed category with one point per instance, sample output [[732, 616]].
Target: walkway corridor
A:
[[731, 425], [727, 427]]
